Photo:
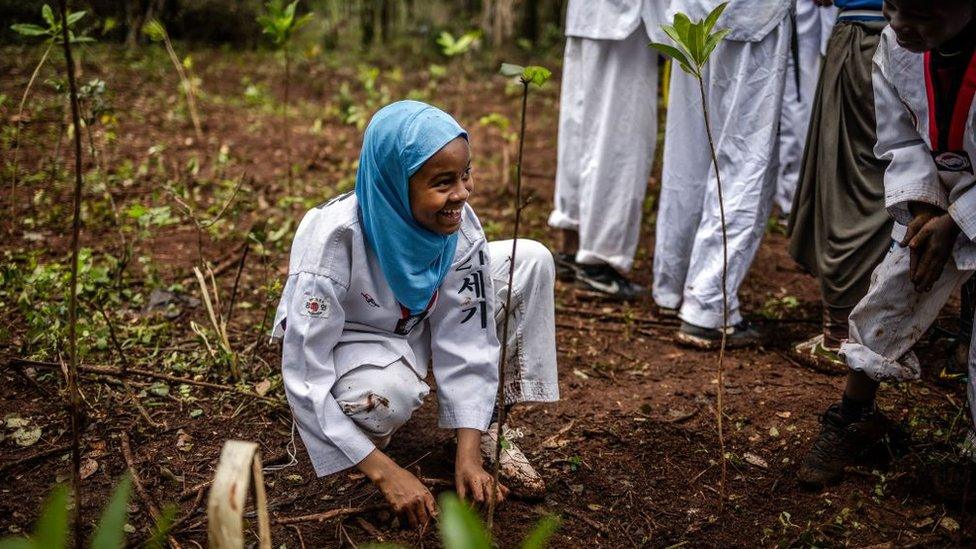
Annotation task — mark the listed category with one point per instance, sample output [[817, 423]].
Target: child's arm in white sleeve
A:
[[464, 345], [314, 323]]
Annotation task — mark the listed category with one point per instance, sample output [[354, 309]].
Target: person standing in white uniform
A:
[[744, 82], [813, 26], [924, 79], [607, 136], [395, 277]]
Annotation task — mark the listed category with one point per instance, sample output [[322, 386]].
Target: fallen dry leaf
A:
[[262, 387], [753, 459], [88, 468], [27, 437]]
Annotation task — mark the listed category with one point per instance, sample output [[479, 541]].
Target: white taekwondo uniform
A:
[[607, 125], [354, 361], [813, 26], [744, 82], [892, 317]]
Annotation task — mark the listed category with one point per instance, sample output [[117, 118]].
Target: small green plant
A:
[[501, 123], [453, 47], [53, 35], [531, 75], [51, 530], [280, 24], [461, 528], [221, 351], [694, 44], [157, 33]]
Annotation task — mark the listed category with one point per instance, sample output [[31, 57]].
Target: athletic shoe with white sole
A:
[[515, 471], [604, 281], [566, 266], [737, 336]]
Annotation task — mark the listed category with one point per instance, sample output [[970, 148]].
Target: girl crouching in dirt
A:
[[397, 275]]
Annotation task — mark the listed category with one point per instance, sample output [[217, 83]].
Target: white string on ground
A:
[[292, 451]]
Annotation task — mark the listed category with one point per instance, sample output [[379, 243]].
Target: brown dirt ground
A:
[[629, 454]]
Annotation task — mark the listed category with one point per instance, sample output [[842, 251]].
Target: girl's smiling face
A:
[[440, 188]]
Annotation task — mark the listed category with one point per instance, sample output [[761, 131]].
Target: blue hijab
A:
[[400, 138]]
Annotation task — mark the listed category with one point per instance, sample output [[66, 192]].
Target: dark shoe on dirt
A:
[[819, 357], [737, 336], [604, 281], [840, 444], [954, 370], [566, 266]]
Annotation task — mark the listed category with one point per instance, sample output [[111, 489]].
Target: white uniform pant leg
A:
[[891, 318], [530, 374], [569, 145], [684, 176], [745, 89], [380, 399], [795, 118], [607, 136]]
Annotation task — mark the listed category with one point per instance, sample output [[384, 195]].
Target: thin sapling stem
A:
[[74, 393], [527, 75]]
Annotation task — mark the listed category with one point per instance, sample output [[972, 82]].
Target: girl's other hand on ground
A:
[[472, 481], [407, 496], [474, 484]]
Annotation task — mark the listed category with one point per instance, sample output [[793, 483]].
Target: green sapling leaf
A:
[[511, 69], [28, 29], [537, 75]]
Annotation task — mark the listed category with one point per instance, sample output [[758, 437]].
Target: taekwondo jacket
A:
[[614, 19], [337, 312], [908, 137], [748, 20]]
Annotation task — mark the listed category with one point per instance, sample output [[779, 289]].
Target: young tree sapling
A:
[[53, 36], [694, 44], [279, 22], [527, 75]]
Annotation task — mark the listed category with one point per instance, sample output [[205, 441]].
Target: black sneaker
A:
[[566, 266], [604, 281], [738, 336], [840, 444]]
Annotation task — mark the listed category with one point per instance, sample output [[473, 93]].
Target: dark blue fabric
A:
[[400, 138], [859, 4]]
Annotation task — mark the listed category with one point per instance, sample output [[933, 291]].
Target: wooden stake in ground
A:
[[527, 75], [72, 373], [239, 462], [695, 43]]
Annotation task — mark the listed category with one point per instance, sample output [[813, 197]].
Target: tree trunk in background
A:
[[388, 12], [367, 22], [498, 20], [530, 20], [137, 13]]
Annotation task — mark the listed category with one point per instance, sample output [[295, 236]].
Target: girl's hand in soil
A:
[[472, 481], [930, 237], [407, 496]]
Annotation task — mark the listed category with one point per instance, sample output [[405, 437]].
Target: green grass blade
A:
[[460, 527], [51, 531], [539, 537], [110, 533]]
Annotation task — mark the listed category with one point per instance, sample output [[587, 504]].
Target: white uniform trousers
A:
[[744, 84], [607, 135], [381, 398], [892, 317], [795, 115]]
